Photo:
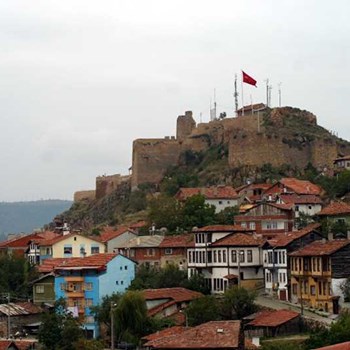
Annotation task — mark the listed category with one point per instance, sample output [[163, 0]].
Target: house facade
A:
[[226, 255], [267, 219], [317, 272], [114, 239], [276, 260], [83, 282]]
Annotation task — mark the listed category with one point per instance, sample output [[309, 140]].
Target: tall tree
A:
[[202, 310]]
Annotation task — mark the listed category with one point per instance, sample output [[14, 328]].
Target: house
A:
[[173, 250], [27, 344], [252, 193], [317, 272], [339, 346], [276, 260], [226, 255], [267, 219], [144, 250], [220, 196], [18, 246], [116, 238], [341, 164], [335, 218], [44, 289], [21, 315], [251, 109], [73, 245], [272, 323], [83, 282], [210, 335], [169, 302]]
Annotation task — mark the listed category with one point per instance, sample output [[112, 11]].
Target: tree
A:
[[303, 220], [59, 329], [197, 282], [171, 276], [202, 310], [238, 302], [339, 229], [85, 344], [227, 215]]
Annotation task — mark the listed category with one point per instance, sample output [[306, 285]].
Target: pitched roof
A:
[[26, 344], [144, 242], [19, 309], [283, 240], [5, 344], [340, 346], [210, 335], [178, 241], [95, 261], [217, 192], [335, 208], [222, 228], [273, 318], [178, 294], [239, 240], [50, 242], [139, 224], [341, 158], [301, 186], [293, 198], [22, 242], [164, 333], [320, 248], [109, 233], [48, 265]]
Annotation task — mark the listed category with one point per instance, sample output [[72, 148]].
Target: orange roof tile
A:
[[239, 240], [164, 333], [177, 294], [48, 265], [20, 344], [222, 228], [293, 198], [109, 233], [340, 346], [180, 241], [335, 208], [319, 248], [94, 261], [138, 224], [210, 335], [217, 192], [273, 318], [282, 240], [301, 186], [22, 242]]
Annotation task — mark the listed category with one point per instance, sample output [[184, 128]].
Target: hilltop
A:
[[261, 144]]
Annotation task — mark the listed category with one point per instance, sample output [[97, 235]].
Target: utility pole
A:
[[113, 305], [269, 95], [279, 94], [267, 92], [7, 296]]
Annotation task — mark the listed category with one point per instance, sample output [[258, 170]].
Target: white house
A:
[[226, 255]]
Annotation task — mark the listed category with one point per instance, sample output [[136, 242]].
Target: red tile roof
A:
[[301, 186], [49, 242], [48, 265], [109, 233], [95, 261], [177, 294], [319, 248], [335, 208], [273, 318], [239, 240], [23, 241], [219, 192], [340, 346], [178, 241], [138, 224], [222, 228], [164, 333], [210, 335], [293, 198], [283, 239]]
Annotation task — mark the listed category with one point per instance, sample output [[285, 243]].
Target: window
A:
[[219, 256], [224, 256], [67, 250], [132, 252], [220, 202], [121, 282], [214, 256], [249, 256], [125, 267], [117, 283], [241, 256], [252, 225], [95, 250], [243, 224], [88, 286], [313, 290], [88, 302], [48, 251], [297, 208], [234, 256], [151, 251], [39, 289], [168, 251]]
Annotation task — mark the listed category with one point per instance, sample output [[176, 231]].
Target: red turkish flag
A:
[[248, 79]]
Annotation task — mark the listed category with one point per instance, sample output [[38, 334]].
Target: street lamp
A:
[[113, 305], [240, 254]]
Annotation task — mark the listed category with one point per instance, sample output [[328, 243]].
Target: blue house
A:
[[83, 282]]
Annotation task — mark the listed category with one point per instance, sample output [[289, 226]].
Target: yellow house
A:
[[317, 272], [70, 246]]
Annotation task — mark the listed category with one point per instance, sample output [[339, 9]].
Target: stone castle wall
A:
[[84, 195], [108, 183]]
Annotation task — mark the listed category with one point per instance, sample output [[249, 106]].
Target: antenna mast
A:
[[236, 95], [267, 92], [269, 95], [279, 94]]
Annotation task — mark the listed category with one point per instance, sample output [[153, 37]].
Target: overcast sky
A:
[[80, 79]]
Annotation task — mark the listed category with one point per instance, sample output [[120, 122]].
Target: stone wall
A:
[[184, 126], [108, 183], [84, 195]]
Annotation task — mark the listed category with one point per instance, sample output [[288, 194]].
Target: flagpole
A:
[[242, 97]]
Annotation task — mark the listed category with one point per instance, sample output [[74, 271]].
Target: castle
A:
[[248, 138]]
